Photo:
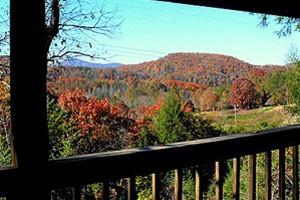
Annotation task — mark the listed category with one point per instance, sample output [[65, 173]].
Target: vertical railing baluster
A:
[[198, 183], [155, 186], [131, 189], [296, 172], [11, 196], [219, 180], [282, 173], [76, 192], [236, 178], [105, 190], [252, 177], [268, 175], [178, 184]]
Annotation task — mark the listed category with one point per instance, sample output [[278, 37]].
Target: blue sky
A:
[[152, 29]]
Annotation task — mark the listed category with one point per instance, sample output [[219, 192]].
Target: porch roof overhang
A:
[[282, 8]]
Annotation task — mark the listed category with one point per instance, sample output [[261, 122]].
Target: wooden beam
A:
[[28, 61], [283, 8]]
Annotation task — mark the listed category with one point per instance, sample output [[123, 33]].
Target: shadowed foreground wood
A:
[[252, 177], [268, 175], [131, 189], [105, 166], [99, 166], [282, 174], [296, 173]]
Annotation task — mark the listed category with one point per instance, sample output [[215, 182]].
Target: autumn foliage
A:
[[242, 93], [100, 124], [208, 100]]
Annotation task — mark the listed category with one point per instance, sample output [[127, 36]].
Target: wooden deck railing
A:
[[75, 171]]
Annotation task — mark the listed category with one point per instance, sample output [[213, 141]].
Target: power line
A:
[[151, 9], [133, 53], [137, 50], [134, 49]]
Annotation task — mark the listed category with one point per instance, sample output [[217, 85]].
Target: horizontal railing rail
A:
[[127, 163], [91, 168]]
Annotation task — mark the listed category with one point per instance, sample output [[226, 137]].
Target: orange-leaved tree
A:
[[102, 126], [242, 93]]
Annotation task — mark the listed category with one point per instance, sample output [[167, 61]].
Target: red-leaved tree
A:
[[242, 93], [102, 127]]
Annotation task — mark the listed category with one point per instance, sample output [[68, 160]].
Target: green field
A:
[[250, 120]]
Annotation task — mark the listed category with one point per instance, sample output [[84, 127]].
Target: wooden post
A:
[[282, 173], [76, 192], [268, 175], [296, 173], [28, 61], [131, 189], [198, 183], [219, 180], [252, 177], [155, 186], [106, 190], [178, 184], [236, 178]]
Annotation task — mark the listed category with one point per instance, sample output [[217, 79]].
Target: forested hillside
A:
[[201, 68], [140, 84]]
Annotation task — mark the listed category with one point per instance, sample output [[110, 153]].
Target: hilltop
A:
[[191, 71], [200, 68]]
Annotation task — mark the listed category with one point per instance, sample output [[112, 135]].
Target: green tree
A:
[[168, 122], [293, 83], [288, 25], [276, 84], [63, 134], [5, 152]]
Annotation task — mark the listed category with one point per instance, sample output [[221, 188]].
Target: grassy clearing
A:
[[249, 120]]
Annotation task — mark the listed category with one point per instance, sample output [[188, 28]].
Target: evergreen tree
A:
[[63, 134], [168, 122]]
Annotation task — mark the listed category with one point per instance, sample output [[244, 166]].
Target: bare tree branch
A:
[[69, 25]]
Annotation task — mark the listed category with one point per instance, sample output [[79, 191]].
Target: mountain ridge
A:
[[76, 62], [203, 68]]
